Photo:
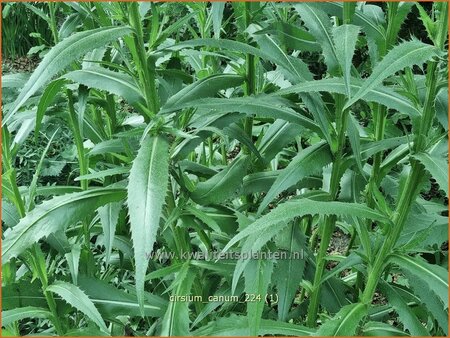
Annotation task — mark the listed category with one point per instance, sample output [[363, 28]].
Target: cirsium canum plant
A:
[[164, 137]]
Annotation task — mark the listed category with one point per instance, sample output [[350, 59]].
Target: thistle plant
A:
[[230, 169]]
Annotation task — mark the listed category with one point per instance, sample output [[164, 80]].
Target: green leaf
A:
[[401, 56], [147, 189], [345, 322], [345, 38], [223, 185], [113, 302], [405, 313], [291, 36], [217, 16], [10, 316], [46, 100], [176, 319], [308, 162], [61, 56], [239, 326], [103, 173], [441, 105], [435, 276], [437, 167], [263, 106], [276, 137], [78, 299], [257, 277], [288, 272], [203, 88], [319, 25], [117, 83], [377, 329], [109, 216], [53, 215], [382, 95], [287, 211]]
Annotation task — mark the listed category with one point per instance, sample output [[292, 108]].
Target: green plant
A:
[[206, 139]]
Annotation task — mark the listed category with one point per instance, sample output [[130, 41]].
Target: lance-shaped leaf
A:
[[404, 55], [78, 299], [438, 168], [176, 319], [257, 278], [319, 25], [10, 316], [117, 83], [206, 87], [61, 56], [287, 211], [435, 276], [345, 38], [405, 313], [308, 162], [264, 106], [239, 326], [53, 215], [223, 185], [109, 216], [345, 322], [147, 190], [382, 95], [289, 272]]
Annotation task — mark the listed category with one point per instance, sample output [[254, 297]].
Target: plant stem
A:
[[145, 69], [330, 221], [53, 25], [409, 193], [250, 73], [73, 121]]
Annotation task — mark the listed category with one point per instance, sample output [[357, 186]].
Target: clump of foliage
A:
[[153, 128]]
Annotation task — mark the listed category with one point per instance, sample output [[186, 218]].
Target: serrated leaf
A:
[[438, 168], [262, 106], [223, 185], [382, 95], [287, 211], [147, 189], [117, 83], [345, 322], [206, 87], [257, 278], [288, 273], [53, 215], [291, 36], [10, 316], [109, 216], [49, 94], [345, 38], [401, 56], [238, 326], [319, 25], [377, 329], [112, 302], [405, 314], [61, 56], [308, 162], [176, 319], [78, 299], [435, 276]]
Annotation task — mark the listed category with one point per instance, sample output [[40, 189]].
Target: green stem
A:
[[250, 72], [412, 185], [73, 121], [330, 221], [53, 24], [145, 69]]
